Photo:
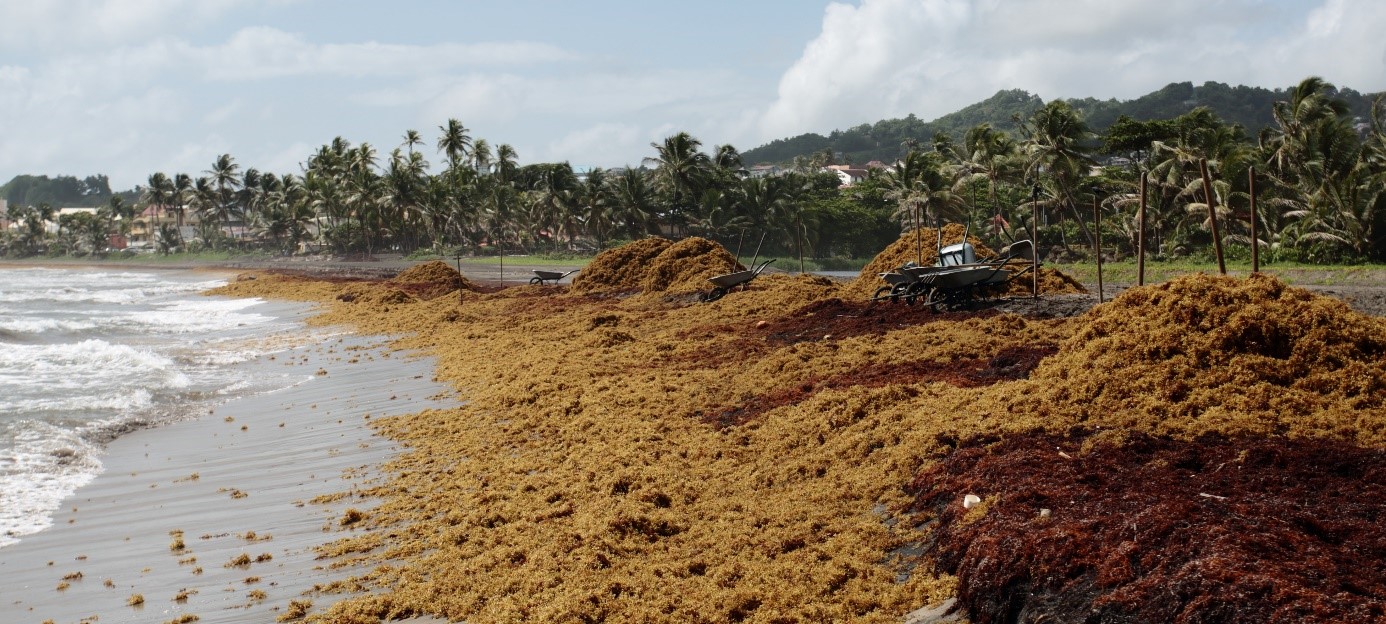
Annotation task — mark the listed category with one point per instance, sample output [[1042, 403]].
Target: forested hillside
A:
[[60, 191], [887, 140]]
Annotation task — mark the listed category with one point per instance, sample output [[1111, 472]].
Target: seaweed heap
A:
[[655, 265], [917, 246], [1204, 354], [430, 280], [619, 270], [1235, 472], [1051, 282], [684, 267], [624, 459], [911, 246], [1147, 530], [374, 294]]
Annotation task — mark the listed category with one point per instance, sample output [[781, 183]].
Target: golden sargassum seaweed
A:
[[581, 481], [656, 265], [1234, 356]]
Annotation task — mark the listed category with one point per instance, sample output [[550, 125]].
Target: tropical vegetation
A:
[[1317, 168]]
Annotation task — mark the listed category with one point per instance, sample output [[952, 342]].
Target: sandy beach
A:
[[236, 486]]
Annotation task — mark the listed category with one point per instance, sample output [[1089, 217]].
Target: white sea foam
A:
[[86, 356], [46, 463], [30, 325]]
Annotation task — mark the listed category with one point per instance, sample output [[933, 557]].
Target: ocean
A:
[[86, 355]]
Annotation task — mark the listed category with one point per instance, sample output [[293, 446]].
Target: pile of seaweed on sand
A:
[[656, 265], [1214, 453], [779, 454], [429, 280], [921, 247], [1230, 356]]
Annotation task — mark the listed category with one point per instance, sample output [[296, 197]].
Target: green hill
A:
[[58, 192], [1248, 106]]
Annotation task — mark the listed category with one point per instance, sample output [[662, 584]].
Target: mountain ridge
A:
[[1249, 107]]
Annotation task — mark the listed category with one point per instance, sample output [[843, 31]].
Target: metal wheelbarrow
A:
[[544, 277], [723, 284]]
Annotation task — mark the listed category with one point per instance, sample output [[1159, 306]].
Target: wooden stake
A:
[[1034, 228], [1097, 241], [459, 282], [1212, 213], [1255, 240], [1140, 234]]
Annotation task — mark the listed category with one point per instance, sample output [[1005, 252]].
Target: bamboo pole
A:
[[918, 238], [459, 282], [1255, 240], [1097, 243], [1140, 234], [1212, 214], [1034, 228]]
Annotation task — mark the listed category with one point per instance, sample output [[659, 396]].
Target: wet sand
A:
[[240, 480]]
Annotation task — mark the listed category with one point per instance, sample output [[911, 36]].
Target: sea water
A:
[[86, 355]]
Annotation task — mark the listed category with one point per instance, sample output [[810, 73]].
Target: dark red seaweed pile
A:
[[1142, 529]]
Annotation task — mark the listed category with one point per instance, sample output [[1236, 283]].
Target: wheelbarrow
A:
[[723, 284], [544, 277]]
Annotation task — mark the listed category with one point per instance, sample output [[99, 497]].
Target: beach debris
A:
[[351, 516], [297, 610], [135, 600], [239, 561], [970, 501]]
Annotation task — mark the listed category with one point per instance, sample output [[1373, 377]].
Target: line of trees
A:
[[1320, 173]]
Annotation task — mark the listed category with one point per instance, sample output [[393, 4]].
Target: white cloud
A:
[[890, 58], [262, 52], [602, 143], [84, 24]]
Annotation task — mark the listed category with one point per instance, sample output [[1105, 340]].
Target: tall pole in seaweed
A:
[[1097, 243], [458, 257], [1140, 234], [1255, 242], [1034, 229], [1212, 214]]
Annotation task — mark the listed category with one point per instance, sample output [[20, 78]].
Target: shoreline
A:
[[1367, 296], [241, 479]]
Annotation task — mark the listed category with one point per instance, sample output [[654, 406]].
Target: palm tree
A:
[[505, 162], [633, 202], [921, 190], [182, 189], [159, 195], [454, 142], [596, 206], [481, 156], [1056, 148], [680, 175], [987, 155], [223, 177], [412, 139]]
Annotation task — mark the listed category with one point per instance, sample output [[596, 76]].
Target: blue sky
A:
[[130, 87]]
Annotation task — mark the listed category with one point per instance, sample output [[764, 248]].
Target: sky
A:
[[126, 88]]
